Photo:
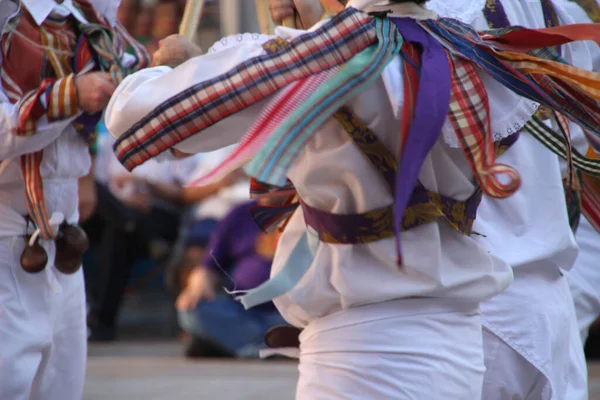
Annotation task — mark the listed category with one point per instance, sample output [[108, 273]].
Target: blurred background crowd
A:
[[163, 254]]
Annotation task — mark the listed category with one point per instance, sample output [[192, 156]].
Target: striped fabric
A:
[[469, 116], [110, 43], [559, 143], [555, 142], [204, 104], [282, 104], [261, 189], [358, 58], [53, 96], [572, 91], [31, 52], [38, 68], [272, 162], [497, 19], [590, 196]]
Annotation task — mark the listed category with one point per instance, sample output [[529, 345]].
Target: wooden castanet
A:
[[33, 258], [71, 243]]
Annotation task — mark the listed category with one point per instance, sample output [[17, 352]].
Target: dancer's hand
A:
[[200, 286], [93, 91], [174, 50], [309, 12], [280, 10]]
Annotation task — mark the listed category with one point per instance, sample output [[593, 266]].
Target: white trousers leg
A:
[[411, 357], [584, 277], [531, 342], [43, 337], [510, 376], [577, 385]]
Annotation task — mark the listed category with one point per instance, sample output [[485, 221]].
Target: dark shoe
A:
[[203, 348], [99, 332], [282, 336], [102, 334]]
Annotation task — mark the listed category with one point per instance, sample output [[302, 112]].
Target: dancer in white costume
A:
[[584, 277], [371, 330], [50, 95], [530, 343]]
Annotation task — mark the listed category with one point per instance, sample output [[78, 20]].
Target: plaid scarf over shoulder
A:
[[354, 47]]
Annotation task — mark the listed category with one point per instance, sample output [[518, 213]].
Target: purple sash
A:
[[431, 109]]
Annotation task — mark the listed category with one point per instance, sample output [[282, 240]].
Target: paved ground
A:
[[156, 371], [594, 380]]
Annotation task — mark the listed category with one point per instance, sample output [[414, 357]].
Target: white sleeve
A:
[[13, 145], [140, 93]]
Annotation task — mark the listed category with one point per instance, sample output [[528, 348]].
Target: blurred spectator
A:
[[127, 14], [127, 218], [88, 197], [167, 17], [211, 203], [142, 28], [239, 257]]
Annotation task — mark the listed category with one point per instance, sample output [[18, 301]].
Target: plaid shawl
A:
[[357, 57]]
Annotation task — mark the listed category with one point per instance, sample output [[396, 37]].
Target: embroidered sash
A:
[[424, 206]]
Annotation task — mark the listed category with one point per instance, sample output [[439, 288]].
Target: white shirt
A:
[[584, 278], [333, 175], [532, 225], [530, 230], [41, 9]]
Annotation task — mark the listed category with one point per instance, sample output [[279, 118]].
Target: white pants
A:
[[424, 355], [584, 277], [43, 337], [531, 341], [509, 375]]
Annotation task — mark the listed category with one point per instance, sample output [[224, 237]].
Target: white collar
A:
[[412, 10], [463, 10], [41, 9], [108, 8]]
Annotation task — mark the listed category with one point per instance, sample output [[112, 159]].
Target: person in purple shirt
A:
[[238, 257]]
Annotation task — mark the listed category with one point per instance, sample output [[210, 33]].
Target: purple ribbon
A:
[[495, 15], [431, 109]]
